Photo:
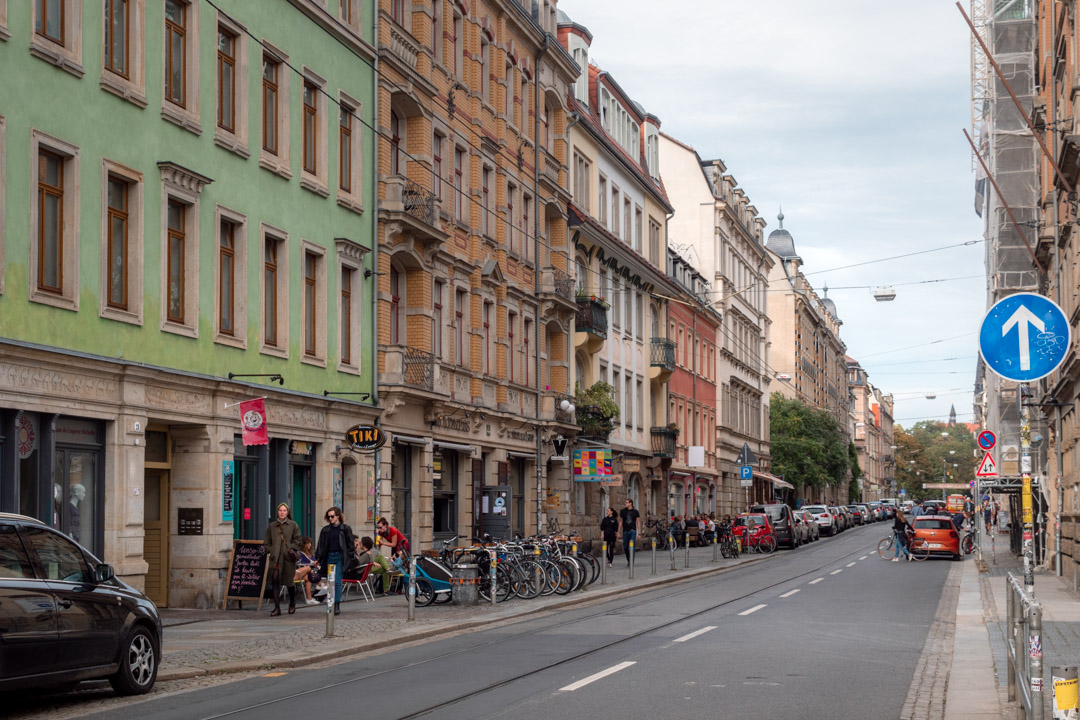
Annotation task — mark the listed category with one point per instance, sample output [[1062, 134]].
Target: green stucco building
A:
[[186, 209]]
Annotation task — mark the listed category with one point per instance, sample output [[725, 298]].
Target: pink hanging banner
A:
[[253, 422]]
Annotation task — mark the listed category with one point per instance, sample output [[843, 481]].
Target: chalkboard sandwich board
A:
[[247, 572]]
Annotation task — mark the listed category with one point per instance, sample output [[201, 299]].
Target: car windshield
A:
[[816, 509], [774, 511], [741, 520], [933, 524]]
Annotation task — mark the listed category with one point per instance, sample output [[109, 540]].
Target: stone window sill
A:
[[178, 329], [180, 117], [123, 89], [227, 141], [275, 165], [314, 184], [60, 58], [131, 317]]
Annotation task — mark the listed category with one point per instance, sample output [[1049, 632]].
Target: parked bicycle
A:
[[916, 546]]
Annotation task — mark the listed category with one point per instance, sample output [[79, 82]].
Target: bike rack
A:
[[1024, 628]]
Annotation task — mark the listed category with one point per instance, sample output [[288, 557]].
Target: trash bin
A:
[[465, 584]]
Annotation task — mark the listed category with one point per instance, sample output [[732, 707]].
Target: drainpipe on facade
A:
[[377, 481], [1057, 299], [536, 279]]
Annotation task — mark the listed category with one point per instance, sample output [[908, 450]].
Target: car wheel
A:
[[138, 664]]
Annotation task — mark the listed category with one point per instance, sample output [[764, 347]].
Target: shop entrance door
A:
[[301, 484], [156, 540]]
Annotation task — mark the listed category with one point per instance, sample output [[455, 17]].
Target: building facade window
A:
[[50, 240], [487, 368], [437, 164], [459, 184], [57, 36], [582, 192], [437, 298], [396, 288], [270, 104], [485, 197], [395, 143], [176, 288], [226, 80], [54, 248], [345, 150], [512, 356], [117, 244], [601, 208], [176, 52], [275, 291], [526, 341], [311, 128], [346, 315], [397, 11], [459, 327], [227, 278], [457, 43], [485, 70], [511, 217], [117, 40], [314, 272]]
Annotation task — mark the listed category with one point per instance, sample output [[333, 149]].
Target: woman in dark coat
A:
[[609, 529], [336, 546], [282, 542]]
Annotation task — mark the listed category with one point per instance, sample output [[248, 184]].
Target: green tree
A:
[[933, 453], [808, 448], [856, 472]]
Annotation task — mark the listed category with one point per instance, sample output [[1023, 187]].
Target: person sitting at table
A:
[[307, 569], [380, 567]]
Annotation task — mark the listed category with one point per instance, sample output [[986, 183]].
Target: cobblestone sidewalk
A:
[[927, 694]]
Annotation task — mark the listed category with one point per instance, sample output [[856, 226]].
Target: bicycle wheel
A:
[[919, 549], [568, 576], [530, 580], [886, 549], [767, 544], [592, 565], [425, 593], [968, 544], [552, 573]]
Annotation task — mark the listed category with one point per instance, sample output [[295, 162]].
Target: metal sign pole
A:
[[331, 578], [603, 564], [653, 557], [1025, 497], [631, 559], [492, 560], [671, 546], [412, 587], [687, 562]]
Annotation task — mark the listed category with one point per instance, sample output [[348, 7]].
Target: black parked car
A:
[[65, 617], [782, 521]]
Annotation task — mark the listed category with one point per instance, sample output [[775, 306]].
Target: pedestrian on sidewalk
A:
[[609, 529], [631, 526], [900, 528], [335, 548], [282, 542]]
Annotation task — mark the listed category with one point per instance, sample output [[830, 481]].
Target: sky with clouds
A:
[[850, 115]]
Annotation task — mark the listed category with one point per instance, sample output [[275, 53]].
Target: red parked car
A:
[[940, 535], [762, 526]]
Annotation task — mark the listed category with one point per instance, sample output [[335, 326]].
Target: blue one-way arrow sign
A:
[[1024, 337]]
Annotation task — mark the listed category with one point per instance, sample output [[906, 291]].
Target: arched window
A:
[[395, 142], [397, 287]]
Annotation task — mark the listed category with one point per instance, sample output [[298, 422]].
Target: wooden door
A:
[[156, 540]]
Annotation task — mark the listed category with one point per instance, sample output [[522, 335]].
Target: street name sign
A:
[[1024, 337], [944, 486], [987, 468]]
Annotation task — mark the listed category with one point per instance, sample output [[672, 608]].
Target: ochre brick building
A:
[[474, 301]]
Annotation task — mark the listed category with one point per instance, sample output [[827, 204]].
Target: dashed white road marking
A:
[[837, 572], [694, 634], [864, 557], [850, 564], [598, 676], [752, 610], [815, 582], [789, 593]]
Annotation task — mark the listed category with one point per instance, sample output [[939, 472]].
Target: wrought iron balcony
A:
[[418, 368], [592, 316], [662, 354], [564, 284], [663, 441], [418, 202]]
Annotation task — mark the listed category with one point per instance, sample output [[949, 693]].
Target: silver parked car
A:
[[813, 530]]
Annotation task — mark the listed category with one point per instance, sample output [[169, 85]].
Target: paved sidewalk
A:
[[1061, 618], [208, 642]]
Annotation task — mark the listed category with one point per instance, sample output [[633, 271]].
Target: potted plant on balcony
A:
[[597, 410], [674, 428], [584, 295]]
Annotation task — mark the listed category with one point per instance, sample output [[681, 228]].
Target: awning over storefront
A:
[[777, 482]]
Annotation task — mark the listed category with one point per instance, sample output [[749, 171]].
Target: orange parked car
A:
[[940, 535]]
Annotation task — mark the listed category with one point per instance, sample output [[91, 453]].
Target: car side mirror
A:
[[103, 573]]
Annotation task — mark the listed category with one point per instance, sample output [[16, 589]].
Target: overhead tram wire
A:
[[462, 192], [498, 218], [920, 362]]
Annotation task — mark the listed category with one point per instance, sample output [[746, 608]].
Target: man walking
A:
[[631, 524]]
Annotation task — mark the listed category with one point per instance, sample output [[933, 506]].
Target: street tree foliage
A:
[[808, 448], [931, 452], [856, 473]]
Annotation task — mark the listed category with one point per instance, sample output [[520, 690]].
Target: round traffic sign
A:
[[1024, 337], [987, 440]]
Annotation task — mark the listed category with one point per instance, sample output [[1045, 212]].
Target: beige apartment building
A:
[[716, 222]]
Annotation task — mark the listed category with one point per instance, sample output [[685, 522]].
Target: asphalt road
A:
[[826, 630]]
